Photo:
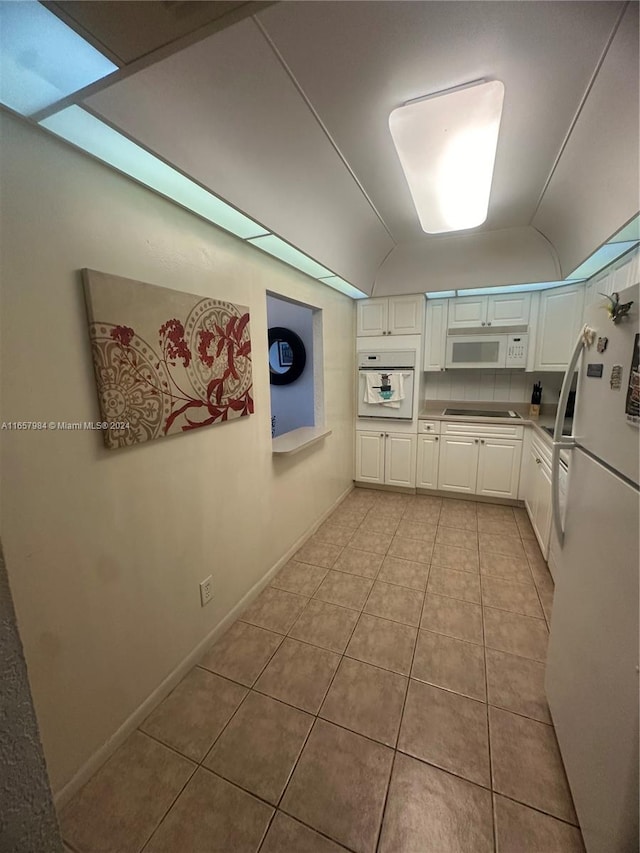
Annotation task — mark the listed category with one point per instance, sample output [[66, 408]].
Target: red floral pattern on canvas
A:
[[196, 373]]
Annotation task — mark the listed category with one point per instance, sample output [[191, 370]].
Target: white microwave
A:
[[473, 351]]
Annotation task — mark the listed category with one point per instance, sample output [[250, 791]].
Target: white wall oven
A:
[[386, 384]]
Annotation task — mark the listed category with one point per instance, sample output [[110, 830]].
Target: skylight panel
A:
[[447, 148], [42, 59]]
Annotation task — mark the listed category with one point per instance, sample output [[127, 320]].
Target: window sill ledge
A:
[[298, 439]]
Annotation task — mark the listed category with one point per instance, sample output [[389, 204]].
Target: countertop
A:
[[432, 410]]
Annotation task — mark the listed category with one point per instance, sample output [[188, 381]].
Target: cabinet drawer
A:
[[482, 430], [541, 450], [431, 427]]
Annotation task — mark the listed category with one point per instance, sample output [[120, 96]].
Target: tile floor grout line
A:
[[313, 725], [538, 810], [164, 816], [490, 754]]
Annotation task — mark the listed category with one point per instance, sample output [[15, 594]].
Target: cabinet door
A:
[[370, 457], [372, 317], [405, 315], [435, 335], [400, 459], [509, 309], [559, 322], [542, 520], [529, 474], [499, 467], [467, 311], [458, 464], [427, 470]]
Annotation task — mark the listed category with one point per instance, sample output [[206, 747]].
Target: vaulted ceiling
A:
[[282, 110]]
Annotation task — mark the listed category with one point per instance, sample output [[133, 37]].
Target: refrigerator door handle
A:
[[585, 339]]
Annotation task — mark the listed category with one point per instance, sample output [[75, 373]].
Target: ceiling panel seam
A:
[[320, 122], [581, 105]]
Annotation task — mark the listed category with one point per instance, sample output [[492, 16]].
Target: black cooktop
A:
[[479, 413]]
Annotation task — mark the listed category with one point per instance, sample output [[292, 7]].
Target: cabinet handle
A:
[[483, 323], [538, 461], [437, 439], [482, 441], [475, 440], [489, 323], [381, 435]]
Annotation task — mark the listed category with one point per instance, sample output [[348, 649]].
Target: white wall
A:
[[293, 405], [106, 548]]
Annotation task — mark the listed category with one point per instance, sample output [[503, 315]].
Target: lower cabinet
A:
[[428, 461], [387, 458], [537, 497], [480, 466]]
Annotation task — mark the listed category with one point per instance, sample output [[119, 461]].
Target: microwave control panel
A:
[[517, 350]]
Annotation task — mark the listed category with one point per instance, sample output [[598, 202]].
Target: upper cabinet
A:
[[506, 309], [559, 322], [392, 315], [435, 334]]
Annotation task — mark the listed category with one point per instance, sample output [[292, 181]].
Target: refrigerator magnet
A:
[[632, 405], [616, 377]]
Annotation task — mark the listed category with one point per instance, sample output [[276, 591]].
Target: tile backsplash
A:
[[500, 386]]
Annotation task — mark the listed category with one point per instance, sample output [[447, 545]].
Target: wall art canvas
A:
[[165, 362]]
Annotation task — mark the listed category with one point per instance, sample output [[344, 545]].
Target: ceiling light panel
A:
[[95, 137], [343, 286], [42, 59], [294, 257], [601, 258], [447, 148]]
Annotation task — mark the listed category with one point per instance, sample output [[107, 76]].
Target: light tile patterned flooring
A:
[[384, 693]]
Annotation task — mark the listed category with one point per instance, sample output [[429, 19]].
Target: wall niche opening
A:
[[295, 364]]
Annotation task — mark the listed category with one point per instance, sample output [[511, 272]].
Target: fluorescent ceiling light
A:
[[97, 138], [343, 286], [294, 257], [41, 59], [441, 294], [631, 231], [511, 288], [447, 147], [601, 258]]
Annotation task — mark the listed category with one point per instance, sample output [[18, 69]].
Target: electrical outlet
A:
[[206, 591]]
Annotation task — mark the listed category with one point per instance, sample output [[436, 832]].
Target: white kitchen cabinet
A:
[[390, 315], [503, 309], [467, 312], [435, 334], [386, 458], [559, 322], [428, 459], [458, 463], [509, 309], [480, 458], [499, 467], [537, 498]]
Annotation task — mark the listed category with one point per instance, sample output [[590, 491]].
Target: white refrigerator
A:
[[592, 667]]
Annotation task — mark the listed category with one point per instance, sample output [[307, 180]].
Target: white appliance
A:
[[385, 362], [592, 665], [468, 348]]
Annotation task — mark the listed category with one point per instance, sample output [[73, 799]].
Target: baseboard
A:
[[465, 496], [93, 764]]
